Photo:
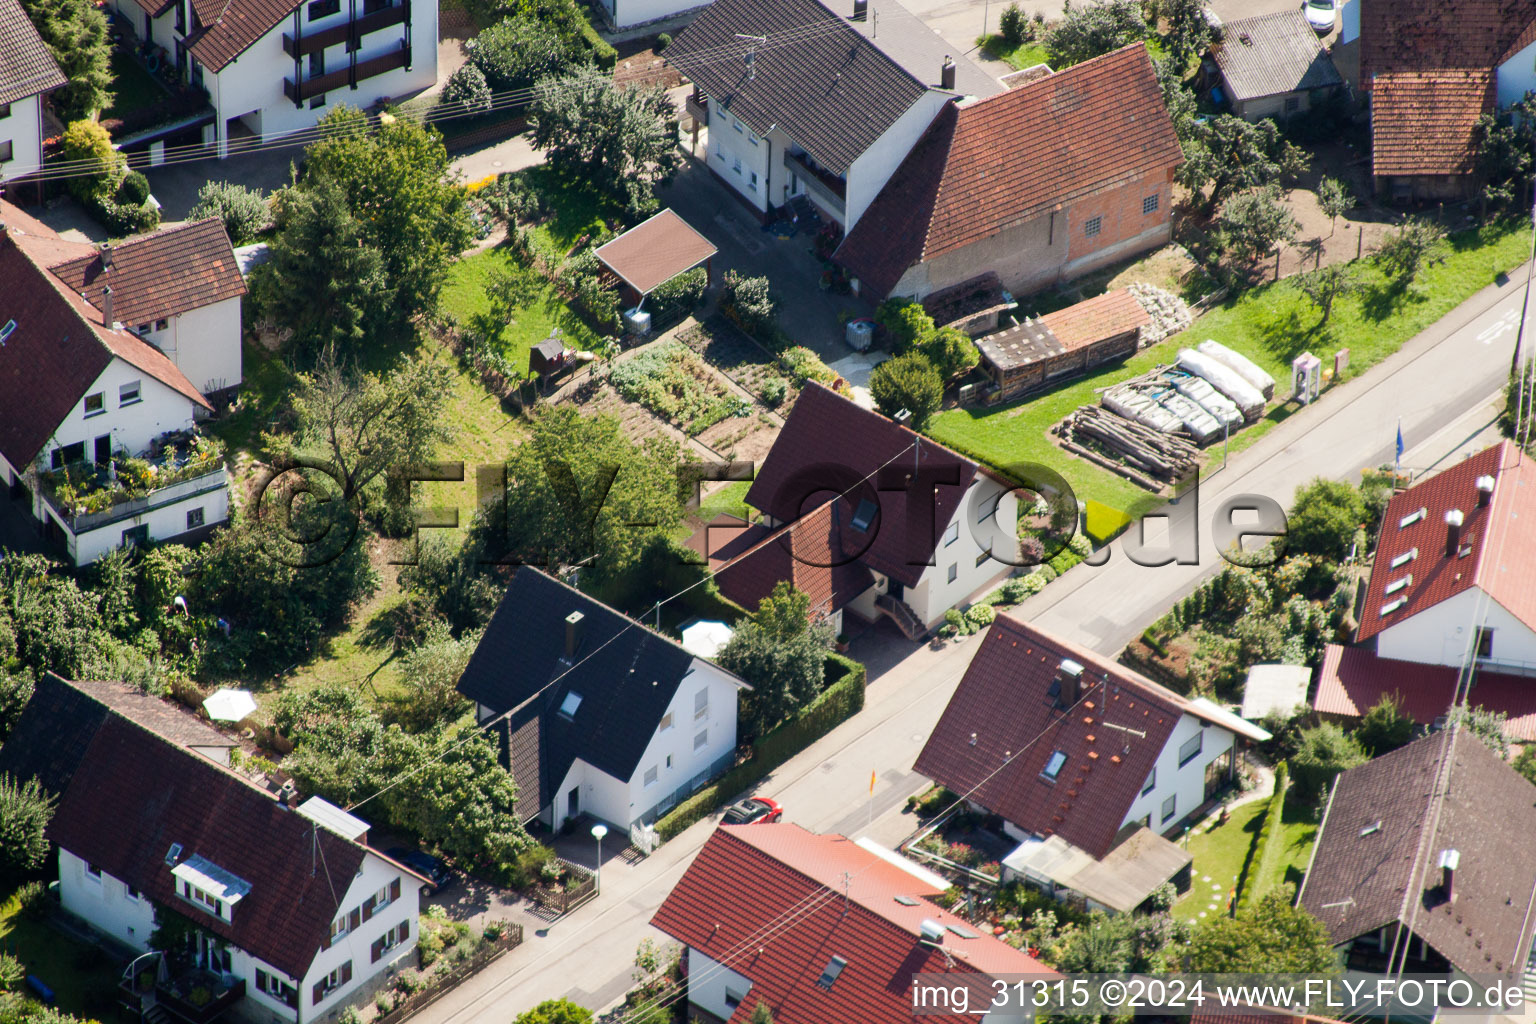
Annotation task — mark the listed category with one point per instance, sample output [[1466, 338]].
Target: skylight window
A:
[[906, 901], [1374, 826], [173, 854], [864, 515], [570, 704], [1397, 585], [1053, 766], [1404, 558], [834, 968], [1392, 606], [964, 933], [7, 331], [1411, 518]]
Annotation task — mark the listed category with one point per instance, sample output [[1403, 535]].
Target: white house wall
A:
[[105, 903], [874, 167], [602, 795], [132, 426], [1439, 635], [356, 946], [1349, 21], [1517, 76], [204, 343], [1186, 784], [709, 981], [165, 521], [735, 158], [718, 720], [23, 129], [934, 593]]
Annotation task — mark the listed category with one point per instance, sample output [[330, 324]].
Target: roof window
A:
[[570, 704], [1411, 518], [834, 968], [7, 331], [1053, 766], [1392, 606], [1404, 558], [906, 901], [864, 515], [1374, 826], [1397, 585]]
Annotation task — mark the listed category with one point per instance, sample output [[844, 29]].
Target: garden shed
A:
[[653, 252], [1066, 343]]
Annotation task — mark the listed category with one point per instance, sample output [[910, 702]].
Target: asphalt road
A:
[[1442, 384]]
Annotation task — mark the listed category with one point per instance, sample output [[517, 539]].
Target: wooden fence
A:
[[561, 900], [511, 937]]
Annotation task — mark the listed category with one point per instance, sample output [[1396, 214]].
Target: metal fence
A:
[[721, 765]]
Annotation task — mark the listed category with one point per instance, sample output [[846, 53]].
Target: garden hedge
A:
[[839, 701], [1267, 847]]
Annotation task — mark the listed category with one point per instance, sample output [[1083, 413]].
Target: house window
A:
[[181, 17], [1191, 748], [194, 517], [1292, 104], [7, 151], [701, 704], [833, 969], [381, 898], [323, 9], [160, 325], [753, 137], [1485, 643], [270, 984], [128, 394], [93, 872], [954, 571], [732, 998], [1150, 783], [136, 535], [701, 740], [651, 775], [96, 404], [144, 329], [1092, 225], [338, 928], [666, 722], [5, 110], [737, 125], [669, 762], [983, 557], [205, 900], [67, 455], [331, 982], [752, 181], [1149, 204], [720, 154], [736, 162], [986, 508], [1169, 806], [370, 6], [952, 534], [1054, 765], [317, 64], [390, 939], [133, 894], [864, 515], [570, 704]]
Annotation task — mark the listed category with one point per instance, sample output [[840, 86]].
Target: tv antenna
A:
[[752, 52]]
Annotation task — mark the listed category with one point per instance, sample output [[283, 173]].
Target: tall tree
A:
[[621, 141], [1385, 727], [397, 183], [1231, 155], [907, 383], [76, 35], [1188, 31], [1271, 936], [1324, 517], [429, 675], [1409, 247], [1253, 225], [25, 809], [781, 653], [1322, 752], [1325, 285], [323, 281], [1092, 30]]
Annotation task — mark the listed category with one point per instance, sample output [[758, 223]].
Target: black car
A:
[[423, 864]]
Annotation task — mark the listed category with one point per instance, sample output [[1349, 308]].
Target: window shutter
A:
[[319, 991], [261, 979], [346, 972], [368, 909], [394, 889], [378, 949], [405, 929], [354, 919]]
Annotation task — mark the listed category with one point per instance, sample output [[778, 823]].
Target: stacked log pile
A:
[[1150, 457]]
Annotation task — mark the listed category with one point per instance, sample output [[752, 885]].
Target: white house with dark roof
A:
[[27, 74], [597, 714]]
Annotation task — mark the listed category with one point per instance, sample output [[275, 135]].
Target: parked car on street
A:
[[423, 864], [755, 810]]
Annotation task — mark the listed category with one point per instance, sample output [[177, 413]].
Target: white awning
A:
[[1211, 712], [204, 874]]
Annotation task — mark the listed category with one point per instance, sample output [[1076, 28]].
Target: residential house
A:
[[806, 98], [1091, 766], [27, 73], [1027, 356], [597, 714], [81, 391], [1451, 586], [931, 527], [865, 926], [627, 14], [1273, 65], [1040, 184], [288, 914], [1431, 70], [1424, 853], [276, 66]]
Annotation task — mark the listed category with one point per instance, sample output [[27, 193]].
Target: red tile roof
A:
[[987, 166], [160, 274], [1416, 35], [734, 905], [1499, 542], [1095, 319], [230, 27], [751, 559], [1002, 708], [655, 251], [1352, 680], [1424, 122], [26, 66], [830, 446]]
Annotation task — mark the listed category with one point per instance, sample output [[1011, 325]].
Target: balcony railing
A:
[[216, 479], [695, 107], [311, 87], [825, 188], [341, 33], [199, 996]]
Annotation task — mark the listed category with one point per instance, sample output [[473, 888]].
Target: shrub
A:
[[529, 866], [773, 391], [243, 210], [384, 1003], [1015, 590], [804, 365], [88, 141], [468, 87], [408, 982], [1161, 899], [908, 384], [955, 619], [747, 301], [1268, 847], [980, 616], [516, 52], [680, 296], [1323, 751], [1013, 24], [663, 41], [32, 901], [133, 190]]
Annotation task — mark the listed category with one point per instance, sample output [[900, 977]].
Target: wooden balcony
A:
[[694, 107], [337, 79], [338, 34], [828, 190]]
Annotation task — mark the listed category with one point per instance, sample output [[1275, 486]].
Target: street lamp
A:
[[598, 831]]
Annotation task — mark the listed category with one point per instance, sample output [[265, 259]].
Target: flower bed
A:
[[82, 488]]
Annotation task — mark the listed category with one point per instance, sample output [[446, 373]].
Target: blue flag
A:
[[1399, 440]]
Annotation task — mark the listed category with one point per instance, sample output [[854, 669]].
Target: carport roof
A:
[[655, 251]]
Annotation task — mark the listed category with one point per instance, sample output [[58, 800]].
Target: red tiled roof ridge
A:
[[1124, 675]]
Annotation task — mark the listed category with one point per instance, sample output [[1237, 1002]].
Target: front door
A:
[[103, 449], [573, 802], [896, 590]]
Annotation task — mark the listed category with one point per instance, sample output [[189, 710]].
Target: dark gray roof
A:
[[50, 738], [816, 78], [1362, 875], [1273, 54], [625, 674], [919, 49], [26, 66]]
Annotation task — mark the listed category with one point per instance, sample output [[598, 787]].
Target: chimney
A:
[[1484, 491], [573, 633], [947, 73], [1449, 860], [106, 304], [106, 255], [860, 10], [1070, 675], [1453, 521]]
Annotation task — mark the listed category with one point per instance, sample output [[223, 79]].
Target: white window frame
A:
[[701, 740], [1187, 755], [131, 393], [952, 534], [652, 776], [666, 722], [1169, 809], [701, 704]]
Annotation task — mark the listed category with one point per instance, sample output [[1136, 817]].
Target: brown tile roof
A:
[[230, 27], [748, 877], [1378, 822], [1103, 316], [808, 553], [60, 345], [830, 446], [1424, 122], [1353, 679], [50, 738], [1417, 35], [1272, 54], [26, 66], [1499, 542], [1003, 701], [655, 251], [987, 166], [160, 274], [158, 715]]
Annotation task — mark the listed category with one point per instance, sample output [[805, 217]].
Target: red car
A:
[[755, 810]]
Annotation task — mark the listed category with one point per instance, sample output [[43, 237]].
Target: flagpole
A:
[[1397, 463]]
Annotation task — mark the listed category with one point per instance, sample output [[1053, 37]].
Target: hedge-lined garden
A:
[[1267, 859]]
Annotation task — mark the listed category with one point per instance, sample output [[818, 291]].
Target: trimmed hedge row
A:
[[1267, 847], [839, 701]]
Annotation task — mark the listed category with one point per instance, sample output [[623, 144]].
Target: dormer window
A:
[[209, 887], [570, 704], [207, 900]]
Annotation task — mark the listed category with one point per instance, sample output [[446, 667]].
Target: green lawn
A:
[[573, 208], [133, 88], [729, 500], [464, 296], [1222, 855], [1271, 324], [1025, 55], [81, 976]]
